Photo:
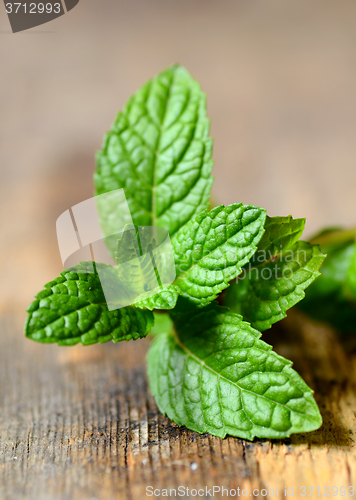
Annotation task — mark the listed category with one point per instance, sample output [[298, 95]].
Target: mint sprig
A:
[[207, 367]]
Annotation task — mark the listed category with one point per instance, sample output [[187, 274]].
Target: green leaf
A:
[[163, 324], [215, 375], [351, 275], [336, 272], [143, 259], [72, 309], [280, 234], [137, 269], [332, 297], [159, 151], [165, 298], [211, 249], [279, 272]]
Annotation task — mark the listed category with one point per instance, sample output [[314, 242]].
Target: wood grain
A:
[[80, 423]]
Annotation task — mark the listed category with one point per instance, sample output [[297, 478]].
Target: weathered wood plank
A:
[[80, 423]]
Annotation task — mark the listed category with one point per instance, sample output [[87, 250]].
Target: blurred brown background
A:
[[280, 78]]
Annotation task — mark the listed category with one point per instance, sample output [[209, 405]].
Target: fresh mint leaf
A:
[[72, 309], [280, 234], [336, 273], [214, 375], [351, 275], [143, 258], [279, 272], [332, 297], [163, 324], [162, 298], [137, 268], [159, 151], [211, 249], [339, 269]]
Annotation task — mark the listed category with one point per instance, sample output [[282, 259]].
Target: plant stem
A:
[[335, 237]]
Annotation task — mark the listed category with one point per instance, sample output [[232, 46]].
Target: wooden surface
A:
[[80, 423]]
